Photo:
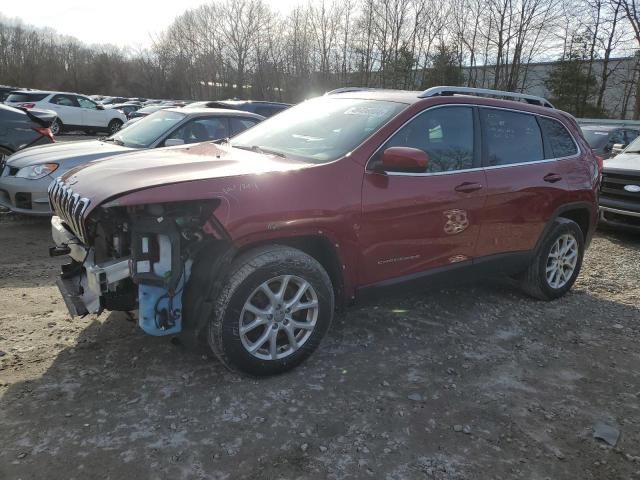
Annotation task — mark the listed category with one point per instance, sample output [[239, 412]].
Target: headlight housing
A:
[[35, 172]]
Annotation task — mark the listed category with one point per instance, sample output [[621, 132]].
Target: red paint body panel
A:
[[382, 226], [414, 223]]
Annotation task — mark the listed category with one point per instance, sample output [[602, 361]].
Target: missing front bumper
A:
[[72, 297]]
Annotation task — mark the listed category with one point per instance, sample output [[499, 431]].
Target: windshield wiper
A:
[[259, 149], [221, 140]]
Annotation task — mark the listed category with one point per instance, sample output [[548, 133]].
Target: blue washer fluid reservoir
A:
[[158, 313]]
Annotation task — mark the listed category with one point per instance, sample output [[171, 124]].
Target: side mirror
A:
[[99, 107], [173, 142], [617, 148], [404, 159]]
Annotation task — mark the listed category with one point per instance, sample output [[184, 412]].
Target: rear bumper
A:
[[25, 196]]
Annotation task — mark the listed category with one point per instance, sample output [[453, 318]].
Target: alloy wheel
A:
[[278, 317], [562, 261]]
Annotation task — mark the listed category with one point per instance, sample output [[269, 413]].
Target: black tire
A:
[[534, 280], [246, 274], [56, 127], [114, 126]]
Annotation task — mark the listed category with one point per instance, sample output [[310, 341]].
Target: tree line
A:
[[244, 49]]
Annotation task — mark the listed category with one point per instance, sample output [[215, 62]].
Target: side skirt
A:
[[462, 272]]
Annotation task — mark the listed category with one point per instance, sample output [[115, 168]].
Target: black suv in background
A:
[[602, 138], [266, 109]]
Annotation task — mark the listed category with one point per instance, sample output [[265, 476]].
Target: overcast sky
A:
[[120, 22]]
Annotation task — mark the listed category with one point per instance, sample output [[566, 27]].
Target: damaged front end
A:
[[128, 258]]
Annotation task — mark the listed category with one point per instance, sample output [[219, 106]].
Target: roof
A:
[[48, 92], [207, 112]]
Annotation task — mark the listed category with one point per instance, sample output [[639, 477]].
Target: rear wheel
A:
[[114, 126], [556, 265], [56, 127], [275, 308]]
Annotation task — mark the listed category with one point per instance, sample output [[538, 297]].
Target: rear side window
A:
[[559, 142], [26, 97], [445, 134], [511, 137]]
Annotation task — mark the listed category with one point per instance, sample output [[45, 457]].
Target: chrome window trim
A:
[[493, 167]]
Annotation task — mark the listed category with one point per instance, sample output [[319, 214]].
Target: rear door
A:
[[413, 222], [525, 183]]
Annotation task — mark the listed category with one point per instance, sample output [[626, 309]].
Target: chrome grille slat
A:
[[69, 206]]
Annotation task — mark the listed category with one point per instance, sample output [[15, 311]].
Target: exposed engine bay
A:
[[135, 258]]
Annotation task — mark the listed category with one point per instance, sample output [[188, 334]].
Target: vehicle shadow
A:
[[385, 388]]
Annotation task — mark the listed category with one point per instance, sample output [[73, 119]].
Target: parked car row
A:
[[73, 111], [26, 175]]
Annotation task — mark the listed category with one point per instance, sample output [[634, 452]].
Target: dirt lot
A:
[[468, 382]]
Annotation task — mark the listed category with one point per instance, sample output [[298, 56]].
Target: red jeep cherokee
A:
[[251, 243]]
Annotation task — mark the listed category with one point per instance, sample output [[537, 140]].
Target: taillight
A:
[[27, 105], [45, 132]]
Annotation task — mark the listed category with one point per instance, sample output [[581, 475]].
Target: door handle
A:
[[552, 177], [468, 187]]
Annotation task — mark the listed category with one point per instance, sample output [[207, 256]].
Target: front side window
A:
[[322, 129], [202, 130], [86, 103], [560, 143], [511, 137], [146, 131], [445, 134]]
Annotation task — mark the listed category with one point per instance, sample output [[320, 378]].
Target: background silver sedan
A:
[[27, 174]]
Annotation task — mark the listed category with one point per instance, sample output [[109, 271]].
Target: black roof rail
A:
[[485, 92]]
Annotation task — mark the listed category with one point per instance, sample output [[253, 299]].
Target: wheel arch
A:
[[582, 213], [317, 246]]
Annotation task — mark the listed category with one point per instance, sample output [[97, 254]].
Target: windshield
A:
[[596, 138], [634, 147], [320, 130], [147, 130]]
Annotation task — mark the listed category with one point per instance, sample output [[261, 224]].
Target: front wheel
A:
[[275, 308], [557, 263], [114, 126]]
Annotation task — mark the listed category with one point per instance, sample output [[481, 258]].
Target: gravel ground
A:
[[473, 381]]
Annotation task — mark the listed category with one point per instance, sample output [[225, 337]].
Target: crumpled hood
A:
[[623, 161], [101, 181], [66, 153]]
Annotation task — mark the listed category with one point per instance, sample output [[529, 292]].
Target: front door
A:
[[414, 222], [91, 116]]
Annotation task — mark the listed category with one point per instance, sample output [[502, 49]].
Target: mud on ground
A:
[[474, 381]]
